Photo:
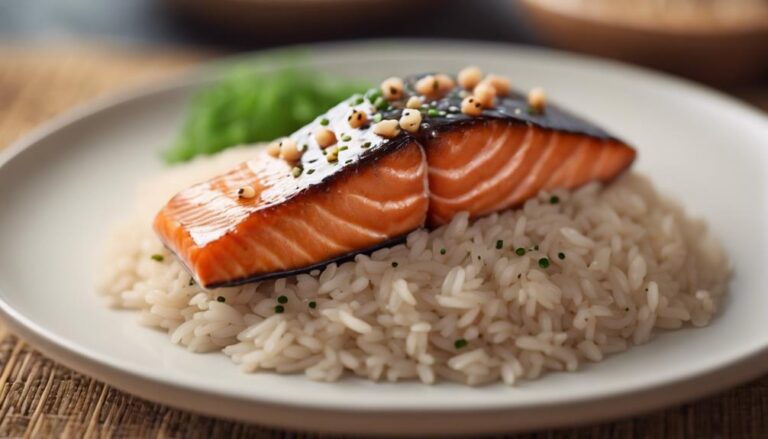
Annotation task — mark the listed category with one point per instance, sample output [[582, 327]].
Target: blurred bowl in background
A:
[[296, 20], [715, 41]]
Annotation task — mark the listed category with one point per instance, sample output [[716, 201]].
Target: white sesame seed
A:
[[246, 192], [470, 76], [471, 106], [288, 150], [485, 93], [410, 120], [537, 99], [414, 102], [325, 137], [273, 149], [500, 83], [387, 128], [357, 119], [392, 88]]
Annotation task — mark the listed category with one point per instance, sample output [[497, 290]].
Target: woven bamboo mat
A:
[[41, 398]]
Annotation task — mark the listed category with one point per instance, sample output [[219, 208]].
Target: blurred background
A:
[[720, 42]]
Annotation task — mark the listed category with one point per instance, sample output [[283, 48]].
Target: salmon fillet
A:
[[378, 189]]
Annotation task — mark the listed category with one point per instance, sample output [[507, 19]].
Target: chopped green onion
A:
[[324, 121], [544, 262], [432, 112], [282, 299], [366, 145], [499, 244], [520, 251], [380, 103], [296, 171], [279, 309], [343, 148], [157, 257], [357, 99], [346, 137], [377, 117], [460, 343]]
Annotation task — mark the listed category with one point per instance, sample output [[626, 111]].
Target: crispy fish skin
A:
[[378, 189]]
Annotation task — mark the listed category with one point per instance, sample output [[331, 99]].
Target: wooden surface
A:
[[40, 398]]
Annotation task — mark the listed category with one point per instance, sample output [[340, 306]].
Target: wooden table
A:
[[39, 397]]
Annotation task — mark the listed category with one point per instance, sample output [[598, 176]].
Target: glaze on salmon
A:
[[378, 189]]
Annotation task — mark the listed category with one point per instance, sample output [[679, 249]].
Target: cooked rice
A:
[[633, 262]]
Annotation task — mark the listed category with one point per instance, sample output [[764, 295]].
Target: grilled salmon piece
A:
[[368, 191], [493, 166], [224, 239]]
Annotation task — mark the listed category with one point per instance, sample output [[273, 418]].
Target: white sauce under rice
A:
[[633, 263]]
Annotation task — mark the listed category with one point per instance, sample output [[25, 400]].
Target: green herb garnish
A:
[[324, 122], [282, 299], [252, 105], [157, 257], [460, 343], [499, 244], [279, 309], [520, 251], [544, 262]]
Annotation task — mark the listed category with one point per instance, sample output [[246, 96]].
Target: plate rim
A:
[[93, 364]]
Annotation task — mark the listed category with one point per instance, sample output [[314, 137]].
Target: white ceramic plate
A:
[[64, 185]]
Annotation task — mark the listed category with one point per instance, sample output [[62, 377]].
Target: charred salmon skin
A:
[[375, 168]]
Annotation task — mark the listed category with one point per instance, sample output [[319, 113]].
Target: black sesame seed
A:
[[313, 304], [279, 309], [554, 199], [499, 244], [536, 247], [561, 255], [442, 251], [395, 264], [221, 299]]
